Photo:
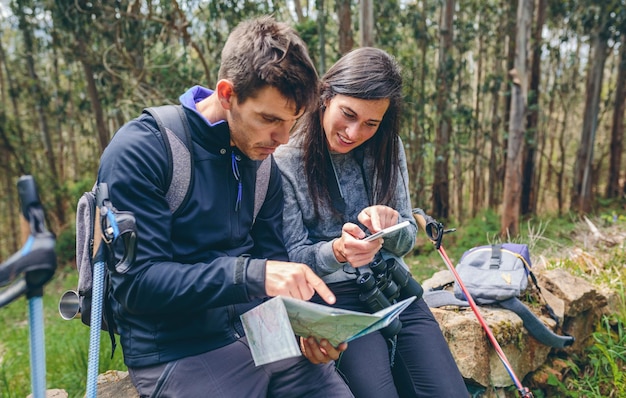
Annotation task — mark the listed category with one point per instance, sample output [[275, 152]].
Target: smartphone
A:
[[387, 231]]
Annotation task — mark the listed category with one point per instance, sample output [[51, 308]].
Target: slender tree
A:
[[617, 128], [581, 197], [441, 190], [495, 88], [530, 181], [519, 75], [344, 14], [23, 9], [366, 14]]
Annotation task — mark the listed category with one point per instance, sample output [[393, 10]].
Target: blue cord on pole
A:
[[37, 347]]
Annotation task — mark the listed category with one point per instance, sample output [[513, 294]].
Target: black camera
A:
[[376, 301], [407, 285], [387, 282]]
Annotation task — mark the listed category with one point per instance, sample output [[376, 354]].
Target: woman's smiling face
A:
[[348, 122]]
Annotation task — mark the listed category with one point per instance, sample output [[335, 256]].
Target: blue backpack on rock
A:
[[497, 275]]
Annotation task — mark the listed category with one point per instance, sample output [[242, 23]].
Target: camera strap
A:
[[334, 187]]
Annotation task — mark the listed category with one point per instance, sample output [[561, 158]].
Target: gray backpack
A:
[[497, 275], [494, 273]]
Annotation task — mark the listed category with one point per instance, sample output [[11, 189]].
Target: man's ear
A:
[[225, 93]]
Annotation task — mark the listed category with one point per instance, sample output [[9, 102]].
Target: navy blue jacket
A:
[[195, 273]]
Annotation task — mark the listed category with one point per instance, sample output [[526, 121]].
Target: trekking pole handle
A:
[[36, 260], [433, 228], [32, 210]]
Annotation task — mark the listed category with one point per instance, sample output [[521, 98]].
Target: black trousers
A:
[[230, 372], [423, 364]]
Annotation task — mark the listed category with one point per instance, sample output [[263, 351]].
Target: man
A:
[[177, 308]]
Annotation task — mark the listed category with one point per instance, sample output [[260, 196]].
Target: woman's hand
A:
[[378, 217], [351, 247]]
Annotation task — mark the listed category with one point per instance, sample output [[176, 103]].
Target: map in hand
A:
[[272, 326]]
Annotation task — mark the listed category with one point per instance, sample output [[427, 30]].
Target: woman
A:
[[356, 184]]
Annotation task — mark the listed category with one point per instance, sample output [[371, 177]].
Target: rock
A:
[[116, 384], [584, 304], [53, 393], [474, 352], [577, 304]]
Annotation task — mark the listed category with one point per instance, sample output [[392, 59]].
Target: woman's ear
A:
[[225, 93]]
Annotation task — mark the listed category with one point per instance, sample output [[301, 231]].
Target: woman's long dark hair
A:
[[366, 73]]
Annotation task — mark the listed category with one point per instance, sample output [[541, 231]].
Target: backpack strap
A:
[[262, 183], [535, 327], [174, 128], [496, 257]]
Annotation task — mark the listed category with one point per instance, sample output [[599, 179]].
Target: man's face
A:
[[261, 123]]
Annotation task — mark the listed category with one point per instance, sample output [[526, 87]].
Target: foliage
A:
[[599, 372], [66, 245], [144, 54]]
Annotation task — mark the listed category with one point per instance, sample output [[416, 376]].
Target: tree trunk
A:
[[41, 101], [528, 199], [12, 205], [513, 176], [417, 135], [479, 141], [344, 13], [321, 28], [367, 23], [511, 16], [37, 91], [441, 179], [495, 179], [22, 163], [548, 146], [298, 8], [92, 92], [617, 130], [582, 180]]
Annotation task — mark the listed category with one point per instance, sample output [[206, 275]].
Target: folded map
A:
[[272, 326]]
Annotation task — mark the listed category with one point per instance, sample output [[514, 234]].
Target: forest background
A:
[[514, 106]]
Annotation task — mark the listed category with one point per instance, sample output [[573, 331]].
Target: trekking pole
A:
[[27, 271], [96, 317], [435, 231], [109, 226]]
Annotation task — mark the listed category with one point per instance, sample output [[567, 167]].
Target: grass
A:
[[556, 242], [599, 372], [66, 344]]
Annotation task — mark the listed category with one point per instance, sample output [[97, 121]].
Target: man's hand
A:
[[322, 352], [295, 280]]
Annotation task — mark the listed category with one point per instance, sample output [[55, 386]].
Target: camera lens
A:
[[376, 301], [370, 293]]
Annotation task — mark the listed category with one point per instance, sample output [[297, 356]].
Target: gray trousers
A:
[[230, 372]]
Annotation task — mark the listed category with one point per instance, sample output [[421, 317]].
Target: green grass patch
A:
[[66, 344]]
